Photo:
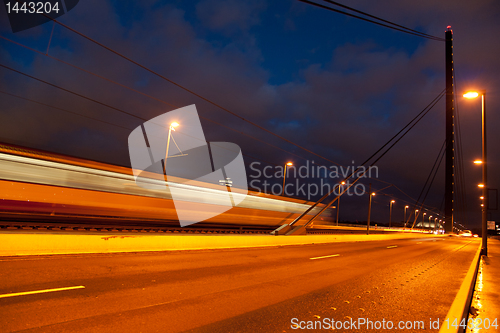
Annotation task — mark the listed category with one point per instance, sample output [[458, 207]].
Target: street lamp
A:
[[415, 221], [369, 211], [338, 203], [430, 217], [390, 212], [171, 128], [406, 207], [284, 177], [423, 216], [474, 94]]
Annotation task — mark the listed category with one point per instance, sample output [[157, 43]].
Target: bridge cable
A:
[[193, 92], [395, 27], [429, 182], [405, 129]]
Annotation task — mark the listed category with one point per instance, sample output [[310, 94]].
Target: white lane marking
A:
[[330, 256], [392, 246], [40, 291]]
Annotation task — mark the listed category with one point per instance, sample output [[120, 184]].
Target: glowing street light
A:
[[372, 194], [289, 164], [478, 162], [415, 220], [480, 185], [474, 94], [471, 94], [171, 128], [390, 212], [338, 203], [406, 207]]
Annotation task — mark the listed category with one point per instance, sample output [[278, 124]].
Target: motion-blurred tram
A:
[[54, 187]]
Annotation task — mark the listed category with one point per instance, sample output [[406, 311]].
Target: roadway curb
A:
[[14, 244], [459, 309]]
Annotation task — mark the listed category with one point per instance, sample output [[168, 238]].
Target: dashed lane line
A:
[[40, 291], [330, 256]]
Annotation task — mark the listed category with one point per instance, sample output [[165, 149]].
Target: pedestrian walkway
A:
[[485, 307]]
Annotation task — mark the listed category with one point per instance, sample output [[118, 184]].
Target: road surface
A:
[[277, 289]]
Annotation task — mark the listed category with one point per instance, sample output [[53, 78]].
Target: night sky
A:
[[336, 85]]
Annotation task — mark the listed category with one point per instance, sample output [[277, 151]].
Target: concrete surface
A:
[[235, 290], [485, 307], [15, 243]]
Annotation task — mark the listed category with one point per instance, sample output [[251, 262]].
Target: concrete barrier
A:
[[16, 244]]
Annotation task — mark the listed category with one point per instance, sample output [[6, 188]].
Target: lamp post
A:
[[369, 209], [390, 212], [423, 217], [171, 128], [406, 207], [430, 217], [473, 94], [338, 204], [415, 221], [284, 177]]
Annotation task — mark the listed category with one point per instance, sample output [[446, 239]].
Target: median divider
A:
[[20, 244]]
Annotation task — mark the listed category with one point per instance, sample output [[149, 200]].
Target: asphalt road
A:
[[243, 290]]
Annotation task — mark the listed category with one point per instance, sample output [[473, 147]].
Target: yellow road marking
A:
[[40, 291], [333, 255]]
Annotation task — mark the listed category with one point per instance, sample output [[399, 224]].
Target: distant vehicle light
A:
[[466, 233]]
